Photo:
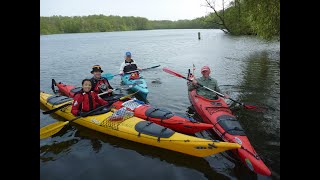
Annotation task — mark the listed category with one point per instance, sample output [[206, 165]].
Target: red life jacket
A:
[[86, 102], [96, 83]]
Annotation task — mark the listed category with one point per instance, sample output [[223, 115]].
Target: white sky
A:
[[150, 9]]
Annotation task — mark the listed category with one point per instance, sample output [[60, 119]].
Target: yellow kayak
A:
[[139, 130]]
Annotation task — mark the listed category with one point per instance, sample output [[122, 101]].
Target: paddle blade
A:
[[255, 108], [51, 129], [249, 107], [173, 73], [53, 83], [56, 109], [107, 76]]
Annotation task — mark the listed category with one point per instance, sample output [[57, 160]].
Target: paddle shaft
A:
[[222, 95], [142, 69], [124, 97], [108, 92], [110, 76], [128, 86], [181, 76], [85, 114]]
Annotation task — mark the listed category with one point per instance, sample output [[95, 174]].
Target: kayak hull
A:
[[174, 122], [130, 129], [142, 88], [228, 128]]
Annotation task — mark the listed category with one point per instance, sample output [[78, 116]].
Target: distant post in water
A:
[[199, 36]]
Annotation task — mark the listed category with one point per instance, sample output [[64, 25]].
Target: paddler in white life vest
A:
[[129, 65]]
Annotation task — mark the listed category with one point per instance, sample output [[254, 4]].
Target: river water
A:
[[247, 69]]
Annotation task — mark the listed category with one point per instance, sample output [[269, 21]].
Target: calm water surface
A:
[[248, 69]]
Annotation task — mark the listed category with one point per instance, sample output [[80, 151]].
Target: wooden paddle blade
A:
[[51, 129]]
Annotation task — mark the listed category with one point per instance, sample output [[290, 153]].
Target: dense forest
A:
[[238, 17], [101, 23], [247, 17]]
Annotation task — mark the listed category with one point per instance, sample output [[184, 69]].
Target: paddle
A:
[[56, 109], [222, 95], [125, 87], [110, 76], [52, 129]]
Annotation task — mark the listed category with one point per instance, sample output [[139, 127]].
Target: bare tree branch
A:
[[221, 18]]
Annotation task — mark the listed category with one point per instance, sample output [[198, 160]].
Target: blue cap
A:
[[128, 53]]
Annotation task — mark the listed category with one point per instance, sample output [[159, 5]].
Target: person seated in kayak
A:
[[208, 81], [99, 84], [86, 100], [129, 65]]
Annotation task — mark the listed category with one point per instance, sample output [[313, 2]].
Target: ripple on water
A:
[[249, 67]]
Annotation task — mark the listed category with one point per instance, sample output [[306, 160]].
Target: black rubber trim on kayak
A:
[[231, 125], [152, 129], [102, 111], [76, 89], [253, 154], [162, 114], [114, 97], [216, 104], [163, 130], [57, 99]]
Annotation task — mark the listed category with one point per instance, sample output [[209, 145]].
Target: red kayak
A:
[[228, 128], [159, 116]]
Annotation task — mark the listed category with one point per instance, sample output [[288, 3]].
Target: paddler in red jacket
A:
[[99, 84], [86, 100]]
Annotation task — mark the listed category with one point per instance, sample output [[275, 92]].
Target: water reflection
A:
[[260, 86], [242, 63], [171, 157], [51, 152]]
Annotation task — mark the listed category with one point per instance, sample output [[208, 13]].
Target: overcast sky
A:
[[150, 9]]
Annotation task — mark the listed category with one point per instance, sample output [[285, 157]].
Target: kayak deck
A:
[[228, 128], [141, 131]]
